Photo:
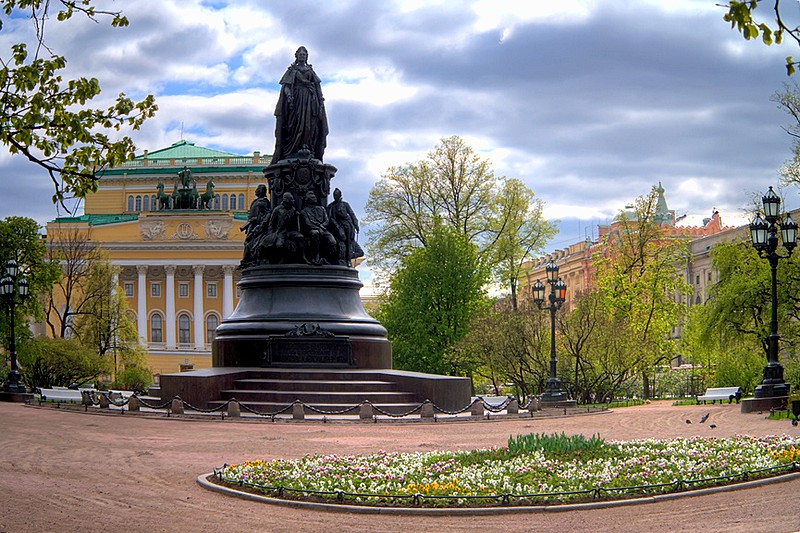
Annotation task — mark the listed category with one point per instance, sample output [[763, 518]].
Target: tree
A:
[[20, 241], [455, 188], [506, 345], [431, 300], [73, 252], [640, 283], [741, 15], [105, 324], [50, 362], [739, 308], [45, 118], [519, 230]]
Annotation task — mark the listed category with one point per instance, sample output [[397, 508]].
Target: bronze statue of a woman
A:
[[300, 119]]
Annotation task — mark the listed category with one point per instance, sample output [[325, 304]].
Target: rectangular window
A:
[[128, 289], [211, 290], [155, 290], [709, 276], [183, 290]]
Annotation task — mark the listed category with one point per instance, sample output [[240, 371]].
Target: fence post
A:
[[477, 408], [234, 411], [366, 412], [298, 413], [133, 403], [513, 407], [86, 398], [104, 400], [177, 406], [427, 411]]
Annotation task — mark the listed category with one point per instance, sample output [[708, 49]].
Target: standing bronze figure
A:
[[300, 119]]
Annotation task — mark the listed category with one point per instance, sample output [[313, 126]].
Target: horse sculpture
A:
[[163, 198], [207, 198]]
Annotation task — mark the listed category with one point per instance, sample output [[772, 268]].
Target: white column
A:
[[141, 303], [170, 304], [227, 291], [199, 330]]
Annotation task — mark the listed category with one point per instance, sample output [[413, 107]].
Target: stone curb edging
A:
[[203, 481]]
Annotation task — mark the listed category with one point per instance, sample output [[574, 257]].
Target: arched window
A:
[[224, 202], [216, 201], [211, 325], [233, 202], [146, 204], [156, 328], [184, 329], [241, 202], [130, 203], [138, 203]]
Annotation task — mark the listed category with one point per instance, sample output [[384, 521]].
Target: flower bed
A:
[[499, 476]]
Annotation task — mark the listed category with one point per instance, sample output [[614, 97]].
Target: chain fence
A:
[[478, 408]]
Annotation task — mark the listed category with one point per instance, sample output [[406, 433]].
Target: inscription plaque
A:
[[308, 351]]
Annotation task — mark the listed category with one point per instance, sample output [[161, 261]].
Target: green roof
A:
[[99, 220], [185, 150]]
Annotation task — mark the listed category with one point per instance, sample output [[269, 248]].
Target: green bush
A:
[[557, 446], [46, 362], [135, 378]]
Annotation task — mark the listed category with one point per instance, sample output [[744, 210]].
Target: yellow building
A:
[[177, 267]]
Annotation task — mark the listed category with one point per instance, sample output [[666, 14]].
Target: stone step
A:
[[315, 385], [322, 374], [349, 398]]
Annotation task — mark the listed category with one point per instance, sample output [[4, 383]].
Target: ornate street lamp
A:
[[13, 291], [558, 293], [765, 233]]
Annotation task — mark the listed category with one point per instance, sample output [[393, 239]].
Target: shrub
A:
[[135, 378], [555, 445], [46, 362]]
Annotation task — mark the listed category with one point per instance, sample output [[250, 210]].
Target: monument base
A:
[[755, 405], [301, 315]]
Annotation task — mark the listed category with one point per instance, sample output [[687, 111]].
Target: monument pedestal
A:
[[302, 316]]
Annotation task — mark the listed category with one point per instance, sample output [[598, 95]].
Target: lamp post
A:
[[765, 233], [13, 290], [558, 292]]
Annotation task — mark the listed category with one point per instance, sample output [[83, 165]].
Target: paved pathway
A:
[[67, 471]]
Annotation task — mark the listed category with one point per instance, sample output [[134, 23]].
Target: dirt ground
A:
[[63, 471]]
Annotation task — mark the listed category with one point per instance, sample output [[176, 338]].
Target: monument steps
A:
[[351, 397], [272, 389], [333, 385], [326, 408]]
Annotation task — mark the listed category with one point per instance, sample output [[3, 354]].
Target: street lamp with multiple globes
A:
[[764, 233], [13, 290], [558, 293]]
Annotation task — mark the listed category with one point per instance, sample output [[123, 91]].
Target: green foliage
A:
[[639, 283], [46, 362], [741, 15], [507, 346], [104, 321], [558, 446], [519, 231], [135, 378], [431, 301], [455, 188], [45, 118], [20, 241]]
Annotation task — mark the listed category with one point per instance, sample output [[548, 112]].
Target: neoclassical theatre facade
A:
[[170, 222]]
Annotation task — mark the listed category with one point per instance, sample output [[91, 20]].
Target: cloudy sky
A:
[[589, 102]]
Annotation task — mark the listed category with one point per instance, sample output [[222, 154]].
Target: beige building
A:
[[177, 267]]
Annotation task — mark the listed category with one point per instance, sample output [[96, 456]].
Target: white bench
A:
[[720, 393], [60, 395]]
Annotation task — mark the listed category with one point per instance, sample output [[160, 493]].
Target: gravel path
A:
[[63, 471]]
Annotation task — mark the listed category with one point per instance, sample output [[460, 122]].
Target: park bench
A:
[[721, 393], [60, 395]]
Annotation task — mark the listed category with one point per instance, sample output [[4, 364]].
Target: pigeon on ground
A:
[[704, 417], [712, 426], [688, 421]]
